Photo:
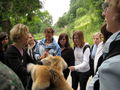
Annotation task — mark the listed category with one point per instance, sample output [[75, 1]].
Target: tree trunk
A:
[[6, 25]]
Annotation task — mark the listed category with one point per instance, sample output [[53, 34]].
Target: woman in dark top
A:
[[3, 45], [16, 57], [67, 52]]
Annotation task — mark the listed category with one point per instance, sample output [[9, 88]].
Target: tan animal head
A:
[[48, 74], [56, 62]]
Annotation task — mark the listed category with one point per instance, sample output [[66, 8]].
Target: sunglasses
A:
[[105, 5]]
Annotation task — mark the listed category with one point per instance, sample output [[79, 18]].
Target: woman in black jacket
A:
[[16, 57], [67, 52], [3, 45]]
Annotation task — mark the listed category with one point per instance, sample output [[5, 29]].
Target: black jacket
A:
[[18, 63], [68, 56]]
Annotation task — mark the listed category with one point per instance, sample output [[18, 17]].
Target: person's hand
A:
[[72, 68], [41, 57], [44, 55]]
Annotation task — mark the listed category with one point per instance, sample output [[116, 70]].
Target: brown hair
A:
[[62, 35], [49, 29], [80, 38], [105, 33], [3, 35]]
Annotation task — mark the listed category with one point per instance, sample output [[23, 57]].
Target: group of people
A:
[[101, 60], [107, 76]]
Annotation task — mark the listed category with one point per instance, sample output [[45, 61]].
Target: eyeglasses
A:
[[105, 5]]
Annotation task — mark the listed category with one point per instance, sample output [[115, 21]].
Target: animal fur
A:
[[49, 76]]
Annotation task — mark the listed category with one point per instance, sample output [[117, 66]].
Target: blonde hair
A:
[[18, 31], [98, 34]]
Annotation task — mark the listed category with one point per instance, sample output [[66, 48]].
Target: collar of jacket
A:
[[114, 37]]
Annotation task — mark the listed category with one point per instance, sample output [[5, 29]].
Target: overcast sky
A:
[[56, 8]]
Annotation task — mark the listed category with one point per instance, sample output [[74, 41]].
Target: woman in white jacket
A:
[[80, 70]]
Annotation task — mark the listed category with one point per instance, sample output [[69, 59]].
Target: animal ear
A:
[[30, 67], [56, 62]]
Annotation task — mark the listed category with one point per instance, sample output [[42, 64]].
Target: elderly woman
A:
[[47, 45], [16, 57], [109, 71]]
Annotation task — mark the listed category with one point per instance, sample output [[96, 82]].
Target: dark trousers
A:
[[66, 73], [29, 83], [79, 77]]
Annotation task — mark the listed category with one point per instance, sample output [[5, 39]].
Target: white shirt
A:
[[81, 60]]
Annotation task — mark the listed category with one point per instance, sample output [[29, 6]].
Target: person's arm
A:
[[85, 62], [71, 56], [94, 83], [29, 58], [37, 52], [58, 53], [14, 61], [57, 50]]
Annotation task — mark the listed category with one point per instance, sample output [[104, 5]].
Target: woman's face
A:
[[96, 39], [76, 40], [30, 39], [110, 13], [63, 41], [24, 40], [5, 41]]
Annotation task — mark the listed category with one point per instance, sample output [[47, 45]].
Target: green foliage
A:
[[80, 12], [40, 21], [62, 21], [23, 11], [86, 16], [13, 8]]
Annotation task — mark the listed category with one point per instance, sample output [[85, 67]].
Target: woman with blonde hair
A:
[[16, 57]]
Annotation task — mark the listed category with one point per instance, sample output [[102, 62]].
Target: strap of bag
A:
[[86, 46]]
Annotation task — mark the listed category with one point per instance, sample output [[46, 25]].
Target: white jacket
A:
[[98, 53]]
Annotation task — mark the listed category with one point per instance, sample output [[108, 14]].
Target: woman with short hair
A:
[[16, 57], [47, 45]]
